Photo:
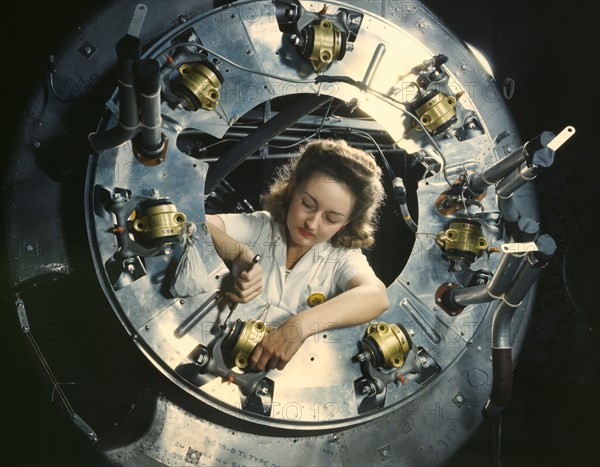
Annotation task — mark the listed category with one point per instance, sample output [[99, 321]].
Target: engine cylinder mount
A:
[[436, 111], [198, 85], [387, 344], [157, 222], [323, 44], [462, 242], [242, 339]]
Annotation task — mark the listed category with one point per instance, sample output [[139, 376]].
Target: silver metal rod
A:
[[374, 64], [197, 315]]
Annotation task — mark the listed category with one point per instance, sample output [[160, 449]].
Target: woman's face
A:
[[320, 207]]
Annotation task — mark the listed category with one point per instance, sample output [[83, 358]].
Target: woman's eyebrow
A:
[[317, 203]]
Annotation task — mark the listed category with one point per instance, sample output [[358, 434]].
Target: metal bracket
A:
[[22, 313], [519, 248], [561, 138], [137, 20], [78, 421]]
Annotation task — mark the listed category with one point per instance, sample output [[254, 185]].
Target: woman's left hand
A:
[[278, 347]]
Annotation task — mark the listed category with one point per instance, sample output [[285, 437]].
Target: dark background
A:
[[550, 49]]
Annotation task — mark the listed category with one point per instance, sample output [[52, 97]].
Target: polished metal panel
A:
[[314, 416]]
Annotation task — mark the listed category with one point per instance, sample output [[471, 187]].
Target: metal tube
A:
[[520, 286], [501, 342], [506, 308], [479, 182], [148, 83], [469, 296], [514, 181], [128, 51], [504, 275], [374, 64], [197, 315]]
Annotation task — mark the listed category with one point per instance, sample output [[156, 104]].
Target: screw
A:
[[463, 66], [147, 328], [478, 348], [459, 399], [411, 332]]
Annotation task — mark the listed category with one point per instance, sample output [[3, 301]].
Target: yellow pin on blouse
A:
[[315, 298]]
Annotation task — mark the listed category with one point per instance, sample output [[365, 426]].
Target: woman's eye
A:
[[306, 205]]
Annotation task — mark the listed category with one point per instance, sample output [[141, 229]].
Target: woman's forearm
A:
[[363, 301], [357, 305]]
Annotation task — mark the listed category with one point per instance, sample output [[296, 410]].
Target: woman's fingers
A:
[[276, 349], [248, 285]]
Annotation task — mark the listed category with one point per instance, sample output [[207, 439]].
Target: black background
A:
[[550, 49]]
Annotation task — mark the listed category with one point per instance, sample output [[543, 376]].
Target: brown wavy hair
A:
[[345, 164]]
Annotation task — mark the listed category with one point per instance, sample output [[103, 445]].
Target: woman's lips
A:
[[305, 233]]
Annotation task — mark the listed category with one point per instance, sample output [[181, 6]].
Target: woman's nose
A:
[[311, 223]]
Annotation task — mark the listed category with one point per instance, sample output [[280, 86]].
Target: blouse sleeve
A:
[[246, 228], [352, 262]]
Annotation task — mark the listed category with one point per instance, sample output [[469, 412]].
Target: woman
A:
[[319, 212]]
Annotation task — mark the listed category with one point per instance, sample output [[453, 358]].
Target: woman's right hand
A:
[[248, 279]]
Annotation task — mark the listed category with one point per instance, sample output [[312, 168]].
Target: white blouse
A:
[[323, 272]]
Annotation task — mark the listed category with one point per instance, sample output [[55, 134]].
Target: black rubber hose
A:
[[502, 381]]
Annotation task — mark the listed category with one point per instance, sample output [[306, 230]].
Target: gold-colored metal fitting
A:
[[323, 45], [252, 333], [465, 237], [437, 111], [158, 222], [387, 344], [198, 86]]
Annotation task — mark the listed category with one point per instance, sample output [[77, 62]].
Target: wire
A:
[[496, 440], [232, 63], [386, 164], [322, 78], [311, 135], [395, 103], [53, 90], [413, 117]]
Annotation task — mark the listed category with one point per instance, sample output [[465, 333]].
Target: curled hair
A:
[[345, 164]]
